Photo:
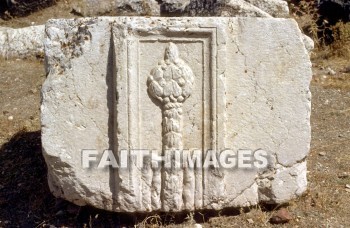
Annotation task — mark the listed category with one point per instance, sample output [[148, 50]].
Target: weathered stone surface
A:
[[251, 8], [275, 8], [309, 43], [176, 83], [116, 7], [23, 42], [255, 8]]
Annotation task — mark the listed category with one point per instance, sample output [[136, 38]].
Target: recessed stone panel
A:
[[176, 86]]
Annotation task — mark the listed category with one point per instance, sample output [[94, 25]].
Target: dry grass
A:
[[306, 14], [316, 27]]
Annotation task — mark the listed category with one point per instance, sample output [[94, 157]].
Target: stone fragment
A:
[[23, 42], [206, 85], [343, 175], [116, 7], [309, 43], [250, 8], [250, 221], [330, 71], [281, 216], [255, 8]]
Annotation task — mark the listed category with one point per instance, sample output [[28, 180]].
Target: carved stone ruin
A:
[[118, 87]]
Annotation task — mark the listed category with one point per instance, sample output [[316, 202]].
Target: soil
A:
[[25, 199]]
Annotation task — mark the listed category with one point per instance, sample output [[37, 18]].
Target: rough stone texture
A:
[[309, 43], [255, 8], [275, 8], [26, 42], [23, 42], [252, 8], [116, 7], [250, 91]]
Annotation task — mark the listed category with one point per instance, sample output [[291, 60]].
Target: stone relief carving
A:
[[170, 83], [226, 110]]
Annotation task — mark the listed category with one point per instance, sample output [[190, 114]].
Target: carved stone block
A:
[[178, 88]]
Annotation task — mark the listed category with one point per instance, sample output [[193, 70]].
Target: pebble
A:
[[281, 216], [33, 91], [197, 225], [322, 153], [343, 175], [60, 213], [347, 186], [250, 221], [330, 71], [10, 118]]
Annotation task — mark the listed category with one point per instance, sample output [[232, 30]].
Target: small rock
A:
[[330, 71], [343, 175], [250, 221], [10, 118], [60, 213], [346, 69], [281, 216], [33, 91], [322, 154], [347, 186]]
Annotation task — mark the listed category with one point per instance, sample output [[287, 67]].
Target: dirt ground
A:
[[25, 200]]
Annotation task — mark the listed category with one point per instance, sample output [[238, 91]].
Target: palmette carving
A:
[[171, 84]]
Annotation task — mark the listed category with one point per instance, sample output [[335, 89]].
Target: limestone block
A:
[[176, 86], [23, 42]]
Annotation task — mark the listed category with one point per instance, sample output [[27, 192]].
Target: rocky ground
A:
[[26, 201]]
